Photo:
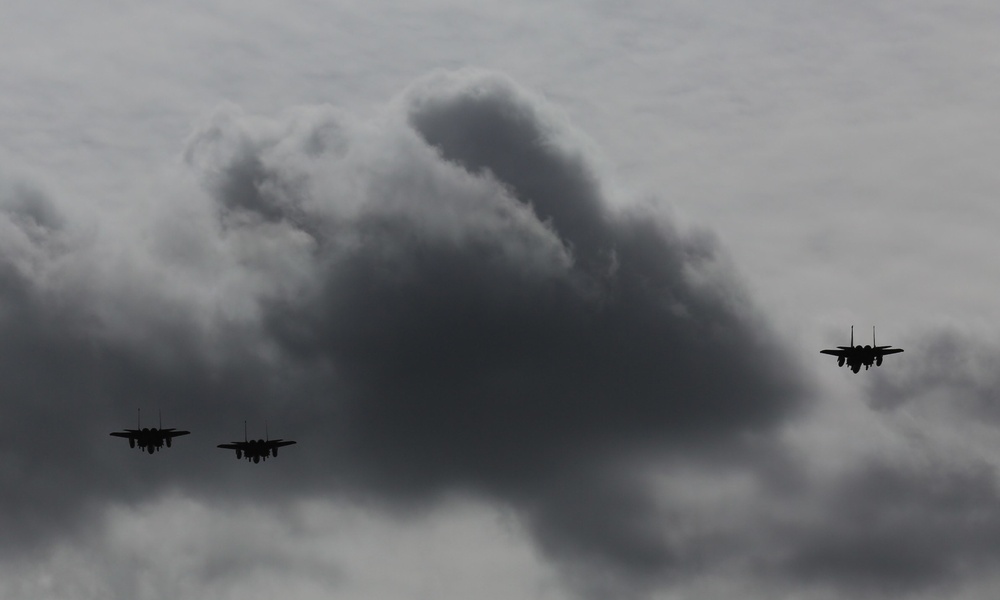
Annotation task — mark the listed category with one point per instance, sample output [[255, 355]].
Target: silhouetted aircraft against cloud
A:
[[256, 450], [855, 356], [149, 439]]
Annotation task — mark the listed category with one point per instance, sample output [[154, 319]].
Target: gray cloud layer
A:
[[438, 300]]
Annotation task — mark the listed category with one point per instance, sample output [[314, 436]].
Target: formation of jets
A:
[[857, 356], [152, 439]]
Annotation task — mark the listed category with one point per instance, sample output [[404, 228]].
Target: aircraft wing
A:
[[233, 446], [839, 352], [124, 434], [279, 443], [170, 433], [886, 352]]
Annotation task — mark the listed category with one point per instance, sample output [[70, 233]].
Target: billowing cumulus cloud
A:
[[489, 322], [437, 300]]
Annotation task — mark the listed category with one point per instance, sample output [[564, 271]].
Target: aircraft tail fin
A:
[[852, 336], [244, 430], [138, 418]]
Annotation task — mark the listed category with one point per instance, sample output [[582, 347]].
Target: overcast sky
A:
[[539, 289]]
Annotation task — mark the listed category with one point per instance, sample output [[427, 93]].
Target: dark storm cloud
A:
[[441, 300], [38, 334], [487, 128], [491, 324], [889, 528]]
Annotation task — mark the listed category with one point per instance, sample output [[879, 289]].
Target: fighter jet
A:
[[856, 356], [256, 450], [150, 439]]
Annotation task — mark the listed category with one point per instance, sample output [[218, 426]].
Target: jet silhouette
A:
[[256, 450], [150, 439], [856, 356]]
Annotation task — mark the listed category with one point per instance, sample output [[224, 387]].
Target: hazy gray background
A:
[[539, 289]]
